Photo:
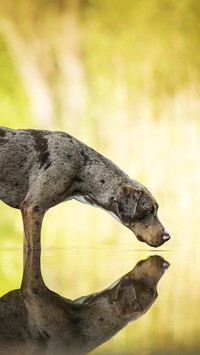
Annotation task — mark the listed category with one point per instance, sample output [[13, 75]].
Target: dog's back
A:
[[26, 154]]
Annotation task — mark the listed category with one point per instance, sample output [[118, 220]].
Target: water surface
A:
[[145, 323]]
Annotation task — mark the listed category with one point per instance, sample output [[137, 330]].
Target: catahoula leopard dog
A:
[[40, 168]]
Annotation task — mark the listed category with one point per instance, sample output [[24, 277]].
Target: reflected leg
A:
[[32, 277]]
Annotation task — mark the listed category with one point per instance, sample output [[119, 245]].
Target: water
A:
[[126, 318]]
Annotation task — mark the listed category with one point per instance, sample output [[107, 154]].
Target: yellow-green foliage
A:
[[14, 103]]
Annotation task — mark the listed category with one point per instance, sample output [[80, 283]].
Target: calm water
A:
[[122, 315]]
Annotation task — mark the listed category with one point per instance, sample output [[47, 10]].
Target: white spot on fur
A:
[[83, 200], [81, 300], [112, 214]]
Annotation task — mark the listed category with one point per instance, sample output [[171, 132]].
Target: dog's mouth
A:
[[154, 235]]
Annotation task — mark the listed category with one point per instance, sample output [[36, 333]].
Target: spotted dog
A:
[[40, 168]]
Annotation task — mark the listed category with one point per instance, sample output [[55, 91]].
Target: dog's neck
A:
[[87, 201], [98, 181]]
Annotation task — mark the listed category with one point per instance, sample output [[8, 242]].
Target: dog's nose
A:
[[165, 266], [166, 235]]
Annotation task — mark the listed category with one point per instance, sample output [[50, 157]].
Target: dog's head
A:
[[137, 210], [137, 290]]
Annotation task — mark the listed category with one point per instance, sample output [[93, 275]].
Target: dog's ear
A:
[[127, 198]]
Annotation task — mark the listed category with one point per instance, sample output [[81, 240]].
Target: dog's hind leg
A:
[[32, 217]]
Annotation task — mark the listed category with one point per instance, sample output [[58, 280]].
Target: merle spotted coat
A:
[[40, 168]]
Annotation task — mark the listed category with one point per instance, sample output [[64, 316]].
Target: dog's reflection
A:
[[35, 320]]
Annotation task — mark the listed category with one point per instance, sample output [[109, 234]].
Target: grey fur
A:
[[39, 169]]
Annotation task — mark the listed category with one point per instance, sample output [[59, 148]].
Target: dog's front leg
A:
[[32, 220]]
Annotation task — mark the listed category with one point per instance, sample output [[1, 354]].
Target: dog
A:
[[40, 168], [36, 320]]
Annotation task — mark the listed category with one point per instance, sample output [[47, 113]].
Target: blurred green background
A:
[[124, 77]]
